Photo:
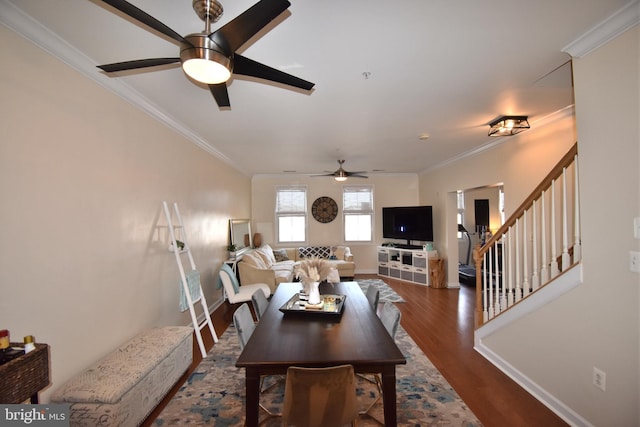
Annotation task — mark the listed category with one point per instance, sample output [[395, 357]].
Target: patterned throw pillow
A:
[[280, 255], [314, 251]]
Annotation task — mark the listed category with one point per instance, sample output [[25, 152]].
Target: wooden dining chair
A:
[[319, 397], [259, 302], [373, 296]]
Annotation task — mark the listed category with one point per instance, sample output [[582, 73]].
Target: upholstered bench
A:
[[125, 386]]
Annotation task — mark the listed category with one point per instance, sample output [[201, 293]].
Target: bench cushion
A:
[[125, 386], [117, 373]]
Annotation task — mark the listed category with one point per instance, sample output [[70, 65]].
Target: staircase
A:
[[539, 244]]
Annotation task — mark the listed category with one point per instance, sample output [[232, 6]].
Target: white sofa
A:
[[275, 266]]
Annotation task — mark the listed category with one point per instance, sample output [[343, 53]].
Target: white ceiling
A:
[[442, 68]]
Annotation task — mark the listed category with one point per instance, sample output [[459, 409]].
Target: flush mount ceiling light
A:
[[508, 125]]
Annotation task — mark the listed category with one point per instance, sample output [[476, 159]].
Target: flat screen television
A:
[[408, 223]]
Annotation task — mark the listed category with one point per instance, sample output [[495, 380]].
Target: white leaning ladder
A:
[[203, 301]]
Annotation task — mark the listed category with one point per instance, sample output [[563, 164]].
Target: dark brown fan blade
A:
[[355, 175], [138, 63], [220, 94], [236, 33], [148, 20], [249, 67]]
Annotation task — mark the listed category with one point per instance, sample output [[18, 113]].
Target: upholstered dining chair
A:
[[243, 321], [235, 293], [373, 296], [318, 397], [390, 318], [260, 303]]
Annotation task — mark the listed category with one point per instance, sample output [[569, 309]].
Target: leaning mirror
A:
[[240, 230]]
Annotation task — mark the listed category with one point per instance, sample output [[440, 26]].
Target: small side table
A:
[[436, 271], [23, 377]]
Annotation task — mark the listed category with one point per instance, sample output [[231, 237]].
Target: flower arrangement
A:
[[313, 270]]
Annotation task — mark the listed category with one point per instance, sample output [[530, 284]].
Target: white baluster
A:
[[518, 287], [500, 268], [544, 272], [577, 246], [493, 283], [554, 254], [487, 282], [485, 298], [566, 259], [525, 260], [510, 269], [535, 279]]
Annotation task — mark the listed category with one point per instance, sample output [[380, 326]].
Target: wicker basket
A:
[[24, 376]]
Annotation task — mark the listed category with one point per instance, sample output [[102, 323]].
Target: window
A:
[[291, 214], [460, 215], [357, 212]]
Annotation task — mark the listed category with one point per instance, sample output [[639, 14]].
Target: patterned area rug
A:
[[214, 394], [386, 293]]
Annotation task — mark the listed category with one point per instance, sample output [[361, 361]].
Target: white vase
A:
[[314, 293]]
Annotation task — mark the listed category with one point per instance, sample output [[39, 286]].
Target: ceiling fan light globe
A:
[[206, 71], [204, 61], [340, 178]]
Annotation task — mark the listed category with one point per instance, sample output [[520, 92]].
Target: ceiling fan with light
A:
[[342, 175], [210, 57]]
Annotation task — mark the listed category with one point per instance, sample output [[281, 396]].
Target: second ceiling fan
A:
[[342, 175], [210, 57]]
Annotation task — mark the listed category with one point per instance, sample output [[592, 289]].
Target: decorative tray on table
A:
[[330, 305]]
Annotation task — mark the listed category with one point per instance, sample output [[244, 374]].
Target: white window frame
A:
[[364, 210], [300, 212]]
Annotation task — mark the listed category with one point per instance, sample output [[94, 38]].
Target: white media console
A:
[[411, 265]]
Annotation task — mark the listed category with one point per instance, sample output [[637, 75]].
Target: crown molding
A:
[[19, 22], [605, 31]]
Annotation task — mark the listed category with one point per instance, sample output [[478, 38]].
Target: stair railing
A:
[[522, 256]]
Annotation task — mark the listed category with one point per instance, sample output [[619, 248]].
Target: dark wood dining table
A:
[[357, 337]]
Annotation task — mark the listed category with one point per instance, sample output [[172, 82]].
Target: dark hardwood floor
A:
[[440, 321]]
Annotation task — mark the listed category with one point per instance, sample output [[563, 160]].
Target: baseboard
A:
[[366, 272], [546, 398], [562, 284]]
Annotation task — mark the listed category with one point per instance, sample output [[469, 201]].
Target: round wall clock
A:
[[324, 209]]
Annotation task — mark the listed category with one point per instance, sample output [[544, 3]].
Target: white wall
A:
[[596, 324], [389, 190], [83, 266], [519, 162]]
